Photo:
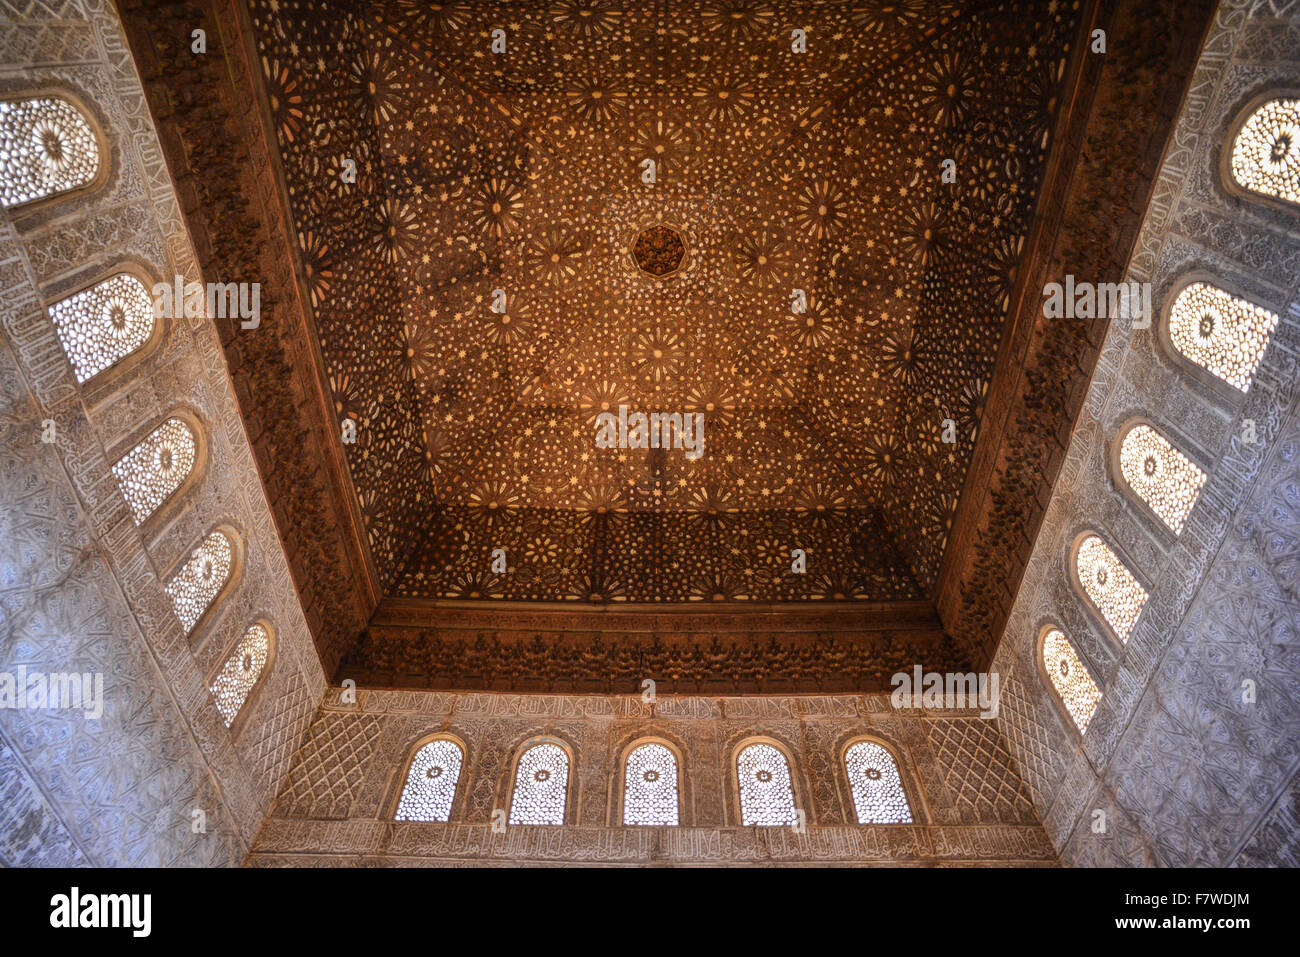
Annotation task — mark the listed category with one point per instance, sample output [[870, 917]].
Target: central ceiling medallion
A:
[[659, 251]]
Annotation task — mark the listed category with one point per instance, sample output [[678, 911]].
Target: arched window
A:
[[201, 579], [46, 147], [650, 794], [541, 789], [1160, 475], [157, 467], [1074, 687], [103, 324], [1222, 333], [431, 782], [766, 790], [1266, 151], [1110, 586], [241, 672], [877, 787]]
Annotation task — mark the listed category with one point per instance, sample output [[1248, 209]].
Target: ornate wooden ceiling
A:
[[525, 171], [464, 230]]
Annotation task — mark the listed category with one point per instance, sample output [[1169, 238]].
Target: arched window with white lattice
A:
[[1163, 479], [1223, 334], [205, 573], [876, 785], [104, 324], [1075, 691], [650, 787], [1110, 587], [241, 672], [1265, 156], [765, 786], [152, 471], [541, 788], [431, 781], [47, 147]]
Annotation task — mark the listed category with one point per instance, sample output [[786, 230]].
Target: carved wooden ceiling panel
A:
[[524, 171], [312, 147]]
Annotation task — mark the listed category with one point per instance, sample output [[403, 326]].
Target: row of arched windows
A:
[[1215, 332], [650, 781], [48, 148]]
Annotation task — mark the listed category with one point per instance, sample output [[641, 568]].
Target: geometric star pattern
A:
[[466, 222]]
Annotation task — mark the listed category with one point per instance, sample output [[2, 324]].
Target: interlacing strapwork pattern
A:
[[453, 198], [766, 791], [1160, 475], [1220, 332], [541, 786], [1111, 587], [155, 468], [205, 573], [46, 147], [240, 672], [878, 795], [431, 782], [104, 324], [650, 786], [1074, 686], [1266, 153]]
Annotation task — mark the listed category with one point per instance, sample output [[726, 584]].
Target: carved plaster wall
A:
[[81, 586], [968, 802], [1185, 771]]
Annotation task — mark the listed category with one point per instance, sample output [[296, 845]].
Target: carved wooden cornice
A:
[[542, 647], [212, 127], [1109, 142]]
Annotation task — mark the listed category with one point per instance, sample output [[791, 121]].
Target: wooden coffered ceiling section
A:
[[522, 172]]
